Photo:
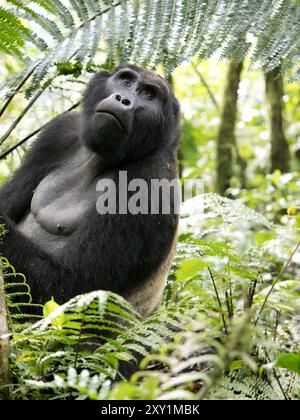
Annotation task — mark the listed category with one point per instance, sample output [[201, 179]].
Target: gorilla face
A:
[[128, 114]]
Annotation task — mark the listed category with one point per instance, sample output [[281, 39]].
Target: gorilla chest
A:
[[61, 201], [59, 206]]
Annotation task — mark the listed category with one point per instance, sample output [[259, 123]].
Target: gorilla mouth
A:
[[114, 116]]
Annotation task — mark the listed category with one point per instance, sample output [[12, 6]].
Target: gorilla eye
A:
[[150, 93], [126, 81]]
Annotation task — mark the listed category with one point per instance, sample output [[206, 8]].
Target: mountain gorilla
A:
[[56, 236]]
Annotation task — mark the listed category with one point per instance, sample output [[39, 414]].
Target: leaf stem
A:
[[33, 133], [218, 299], [285, 267]]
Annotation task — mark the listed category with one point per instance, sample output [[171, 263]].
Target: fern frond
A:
[[211, 205], [64, 14], [239, 386], [101, 321], [81, 9], [150, 33], [44, 22], [18, 296], [12, 33]]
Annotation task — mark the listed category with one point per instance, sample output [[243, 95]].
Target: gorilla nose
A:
[[120, 106], [123, 100]]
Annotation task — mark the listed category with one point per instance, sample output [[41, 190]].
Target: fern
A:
[[193, 365], [12, 33], [77, 350], [244, 386], [150, 33], [91, 333], [18, 297], [211, 205]]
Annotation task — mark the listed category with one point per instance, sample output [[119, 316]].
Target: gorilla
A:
[[55, 236]]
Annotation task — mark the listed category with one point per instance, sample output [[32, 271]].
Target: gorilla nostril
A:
[[118, 98], [126, 102]]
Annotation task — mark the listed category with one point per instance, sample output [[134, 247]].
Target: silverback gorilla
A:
[[56, 236]]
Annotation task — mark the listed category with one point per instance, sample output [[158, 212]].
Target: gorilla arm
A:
[[47, 151], [16, 196]]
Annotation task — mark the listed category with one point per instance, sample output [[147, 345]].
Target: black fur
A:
[[108, 252]]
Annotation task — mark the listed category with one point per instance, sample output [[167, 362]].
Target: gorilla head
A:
[[128, 114]]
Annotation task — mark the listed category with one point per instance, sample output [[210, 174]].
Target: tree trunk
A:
[[226, 138], [4, 347], [280, 155]]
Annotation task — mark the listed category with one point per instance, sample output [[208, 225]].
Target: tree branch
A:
[[17, 89], [24, 112], [205, 84], [33, 133]]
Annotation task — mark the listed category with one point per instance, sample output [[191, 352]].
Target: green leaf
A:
[[50, 307], [68, 68], [263, 236], [236, 365], [189, 268], [293, 210], [290, 361]]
